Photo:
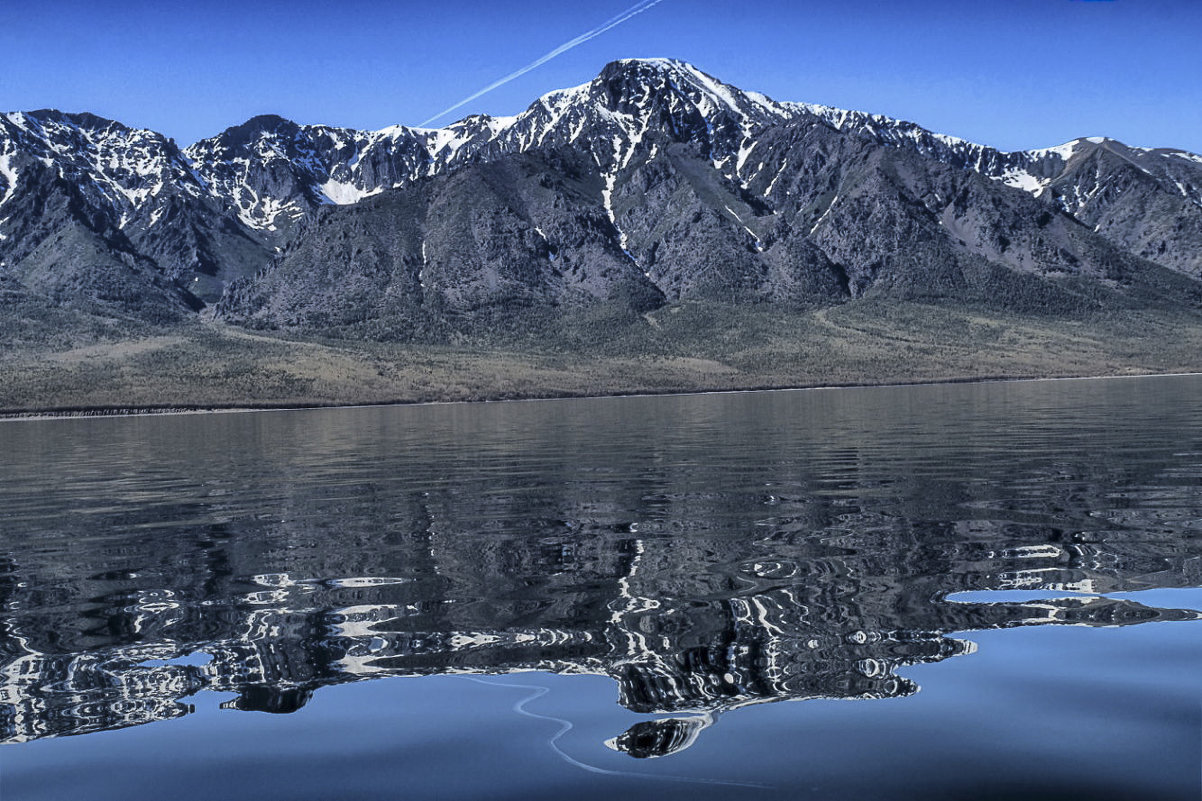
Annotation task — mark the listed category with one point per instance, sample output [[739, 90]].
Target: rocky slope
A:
[[652, 183]]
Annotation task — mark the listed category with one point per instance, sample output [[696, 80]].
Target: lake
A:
[[984, 591]]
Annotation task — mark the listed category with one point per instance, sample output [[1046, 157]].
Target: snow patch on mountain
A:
[[1063, 152], [440, 142], [343, 193], [1021, 179], [717, 93], [10, 176]]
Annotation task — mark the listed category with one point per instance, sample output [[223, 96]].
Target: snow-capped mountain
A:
[[652, 180], [630, 108], [119, 192], [121, 171], [271, 172]]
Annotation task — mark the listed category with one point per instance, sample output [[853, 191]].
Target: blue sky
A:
[[1009, 73]]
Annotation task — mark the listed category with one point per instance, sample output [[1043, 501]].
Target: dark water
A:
[[728, 596]]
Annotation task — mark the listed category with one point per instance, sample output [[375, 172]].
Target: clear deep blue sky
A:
[[1009, 73]]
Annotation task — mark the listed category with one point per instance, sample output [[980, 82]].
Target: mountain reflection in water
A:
[[705, 553]]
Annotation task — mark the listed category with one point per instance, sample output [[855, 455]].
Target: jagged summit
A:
[[81, 119], [651, 78], [258, 126]]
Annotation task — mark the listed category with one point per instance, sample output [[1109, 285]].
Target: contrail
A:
[[613, 22]]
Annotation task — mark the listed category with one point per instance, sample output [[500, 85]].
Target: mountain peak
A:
[[653, 71], [647, 80], [83, 120], [240, 135], [646, 65]]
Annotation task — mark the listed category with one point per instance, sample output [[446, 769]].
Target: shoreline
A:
[[102, 412]]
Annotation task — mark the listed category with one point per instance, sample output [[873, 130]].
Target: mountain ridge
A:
[[653, 183]]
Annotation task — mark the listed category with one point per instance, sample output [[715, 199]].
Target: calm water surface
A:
[[944, 592]]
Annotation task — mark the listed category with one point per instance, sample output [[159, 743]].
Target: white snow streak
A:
[[779, 173], [745, 149], [717, 91], [607, 197], [10, 177], [825, 214]]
